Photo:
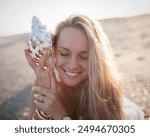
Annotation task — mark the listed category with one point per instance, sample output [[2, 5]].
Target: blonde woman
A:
[[87, 84]]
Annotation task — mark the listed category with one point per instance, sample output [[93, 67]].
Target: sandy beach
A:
[[130, 40]]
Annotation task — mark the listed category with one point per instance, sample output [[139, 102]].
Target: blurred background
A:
[[126, 22]]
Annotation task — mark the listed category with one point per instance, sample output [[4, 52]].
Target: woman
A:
[[88, 85]]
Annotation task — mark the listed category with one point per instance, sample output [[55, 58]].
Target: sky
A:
[[16, 15]]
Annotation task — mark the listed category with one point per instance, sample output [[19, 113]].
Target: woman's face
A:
[[72, 56]]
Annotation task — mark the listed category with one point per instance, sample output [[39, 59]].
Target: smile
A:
[[72, 74]]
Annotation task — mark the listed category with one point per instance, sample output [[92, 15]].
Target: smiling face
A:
[[72, 56]]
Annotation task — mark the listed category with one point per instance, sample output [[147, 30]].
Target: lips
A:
[[72, 74]]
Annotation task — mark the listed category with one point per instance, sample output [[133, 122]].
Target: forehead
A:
[[73, 38]]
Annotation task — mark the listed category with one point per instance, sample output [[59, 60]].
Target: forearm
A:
[[32, 106]]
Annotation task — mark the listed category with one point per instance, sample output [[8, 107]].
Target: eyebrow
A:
[[69, 50], [63, 48]]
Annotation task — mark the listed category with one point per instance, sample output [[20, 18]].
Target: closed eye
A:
[[64, 54], [84, 57]]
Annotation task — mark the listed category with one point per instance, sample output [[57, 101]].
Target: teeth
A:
[[71, 73]]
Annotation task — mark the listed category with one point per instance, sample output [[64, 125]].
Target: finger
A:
[[52, 66], [34, 91], [48, 62], [39, 104], [43, 59], [53, 80], [30, 59], [42, 90], [39, 98]]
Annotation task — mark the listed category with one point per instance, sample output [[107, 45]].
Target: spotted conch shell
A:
[[39, 40]]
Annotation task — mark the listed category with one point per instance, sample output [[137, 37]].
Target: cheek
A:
[[85, 65]]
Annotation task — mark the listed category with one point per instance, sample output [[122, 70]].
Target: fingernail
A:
[[35, 95], [35, 101], [35, 88]]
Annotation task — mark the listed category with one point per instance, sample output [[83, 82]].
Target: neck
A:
[[74, 91], [71, 91], [69, 97]]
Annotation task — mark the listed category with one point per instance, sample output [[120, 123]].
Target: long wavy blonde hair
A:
[[102, 94]]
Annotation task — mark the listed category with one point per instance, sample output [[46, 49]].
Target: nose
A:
[[73, 63]]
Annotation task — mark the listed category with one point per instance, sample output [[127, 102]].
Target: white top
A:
[[132, 111]]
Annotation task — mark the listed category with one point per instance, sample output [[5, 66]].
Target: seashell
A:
[[39, 40]]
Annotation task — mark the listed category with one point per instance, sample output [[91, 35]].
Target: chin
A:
[[71, 84]]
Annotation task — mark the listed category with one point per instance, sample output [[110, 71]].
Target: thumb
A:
[[51, 67], [52, 75], [52, 80]]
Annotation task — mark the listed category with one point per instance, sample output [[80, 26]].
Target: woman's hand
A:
[[45, 95], [49, 100], [39, 69]]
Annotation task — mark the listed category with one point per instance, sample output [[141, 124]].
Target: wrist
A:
[[64, 116]]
